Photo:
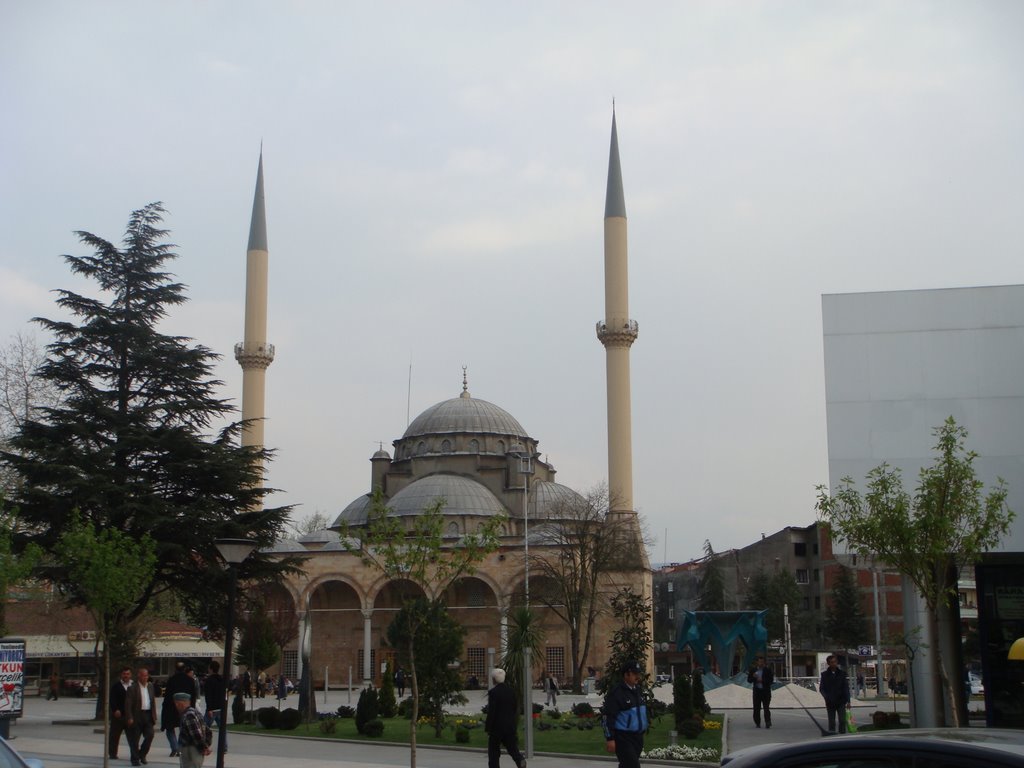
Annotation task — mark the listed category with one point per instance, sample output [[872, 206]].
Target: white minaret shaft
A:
[[617, 333], [255, 354]]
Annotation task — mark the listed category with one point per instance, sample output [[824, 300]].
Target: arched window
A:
[[501, 446], [421, 448], [446, 446], [453, 529], [474, 446]]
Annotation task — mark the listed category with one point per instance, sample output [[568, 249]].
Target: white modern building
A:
[[897, 365]]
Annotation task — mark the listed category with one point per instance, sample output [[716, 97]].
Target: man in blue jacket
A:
[[835, 689], [625, 717]]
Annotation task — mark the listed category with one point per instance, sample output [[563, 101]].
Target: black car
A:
[[907, 748]]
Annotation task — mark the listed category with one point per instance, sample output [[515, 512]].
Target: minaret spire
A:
[[617, 332], [255, 354]]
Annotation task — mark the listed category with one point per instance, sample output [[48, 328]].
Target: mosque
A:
[[482, 463]]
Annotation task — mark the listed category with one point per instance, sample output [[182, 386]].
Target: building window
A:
[[670, 585], [476, 663], [800, 548], [421, 448], [290, 665], [815, 548], [474, 446], [359, 663], [446, 446], [453, 529], [554, 657], [817, 575], [475, 595], [501, 446], [671, 612], [801, 575], [807, 603], [817, 603]]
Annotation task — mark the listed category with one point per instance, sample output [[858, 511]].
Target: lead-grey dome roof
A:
[[461, 495], [465, 414], [554, 500]]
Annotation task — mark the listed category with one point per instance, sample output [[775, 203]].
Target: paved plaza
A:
[[61, 734]]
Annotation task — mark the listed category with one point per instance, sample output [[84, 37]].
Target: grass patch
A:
[[564, 737]]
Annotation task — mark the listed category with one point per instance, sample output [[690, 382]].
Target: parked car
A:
[[9, 758], [977, 689], [910, 748]]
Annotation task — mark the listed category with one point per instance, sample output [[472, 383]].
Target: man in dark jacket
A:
[[762, 677], [835, 689], [140, 715], [118, 721], [625, 717], [500, 724], [179, 682], [216, 701]]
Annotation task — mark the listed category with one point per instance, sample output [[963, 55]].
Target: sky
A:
[[435, 178]]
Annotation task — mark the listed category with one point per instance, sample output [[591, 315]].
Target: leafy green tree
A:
[[438, 643], [846, 625], [127, 445], [524, 631], [948, 522], [631, 641], [415, 549], [108, 570], [14, 568], [711, 590], [257, 647]]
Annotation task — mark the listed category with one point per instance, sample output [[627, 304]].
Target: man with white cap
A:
[[501, 722]]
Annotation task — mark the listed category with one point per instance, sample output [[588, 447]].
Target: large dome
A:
[[465, 414]]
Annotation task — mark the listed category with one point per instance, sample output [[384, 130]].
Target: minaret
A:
[[255, 354], [617, 332]]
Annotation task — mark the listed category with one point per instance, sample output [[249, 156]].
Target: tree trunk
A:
[[415, 702], [105, 693]]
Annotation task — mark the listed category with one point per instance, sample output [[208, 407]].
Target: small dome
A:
[[381, 454], [553, 500], [462, 496], [355, 513], [465, 414]]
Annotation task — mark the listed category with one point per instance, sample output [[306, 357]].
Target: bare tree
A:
[[318, 521], [581, 550], [24, 395]]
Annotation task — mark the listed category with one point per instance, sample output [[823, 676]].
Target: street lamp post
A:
[[526, 469], [234, 551]]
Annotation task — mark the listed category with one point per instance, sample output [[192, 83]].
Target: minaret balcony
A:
[[618, 334], [254, 355]]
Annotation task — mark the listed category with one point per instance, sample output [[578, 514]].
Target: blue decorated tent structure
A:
[[723, 631]]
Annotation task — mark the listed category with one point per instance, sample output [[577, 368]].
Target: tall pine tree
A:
[[846, 625], [130, 444]]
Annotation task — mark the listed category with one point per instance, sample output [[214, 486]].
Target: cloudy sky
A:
[[435, 177]]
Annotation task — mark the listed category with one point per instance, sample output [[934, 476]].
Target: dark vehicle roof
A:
[[982, 746]]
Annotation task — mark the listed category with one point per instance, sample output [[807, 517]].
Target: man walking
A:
[[835, 689], [625, 717], [118, 694], [216, 701], [762, 678], [140, 716], [500, 724], [192, 744], [54, 687]]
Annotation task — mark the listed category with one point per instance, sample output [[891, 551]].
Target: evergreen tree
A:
[[386, 695], [771, 592], [711, 591], [257, 649], [845, 623], [367, 708], [128, 444], [630, 642]]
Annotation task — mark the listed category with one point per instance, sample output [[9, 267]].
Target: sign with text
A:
[[12, 677]]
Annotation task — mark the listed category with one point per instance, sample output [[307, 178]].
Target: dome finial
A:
[[465, 384]]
